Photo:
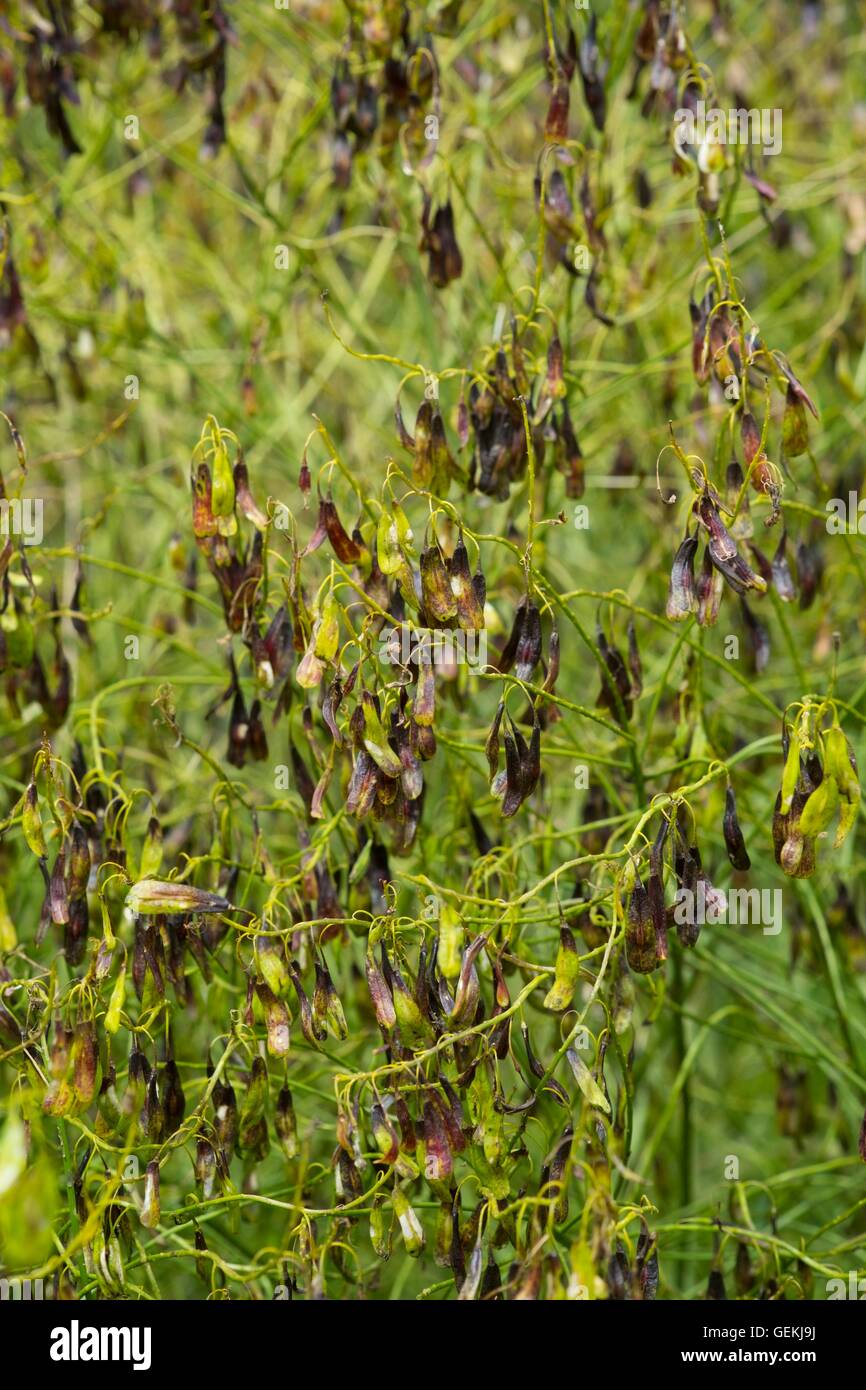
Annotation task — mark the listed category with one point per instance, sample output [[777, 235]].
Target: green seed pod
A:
[[410, 1227], [380, 1228], [270, 953], [790, 773], [8, 935], [841, 765], [223, 487], [285, 1123], [415, 1030], [450, 941], [444, 1235], [821, 807], [384, 1134], [150, 1206], [253, 1141], [560, 995], [115, 1004], [151, 850], [31, 823]]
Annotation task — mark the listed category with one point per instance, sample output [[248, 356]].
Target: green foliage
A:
[[332, 969]]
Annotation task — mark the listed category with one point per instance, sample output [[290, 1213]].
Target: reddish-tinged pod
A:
[[468, 990], [313, 1031], [438, 1160], [380, 994], [438, 599], [384, 1134], [342, 544], [759, 638], [556, 122], [470, 612]]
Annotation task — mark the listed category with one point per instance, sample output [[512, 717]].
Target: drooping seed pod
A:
[[152, 1118], [640, 938], [468, 989], [380, 1227], [172, 1096], [205, 1164], [150, 1205], [252, 1135], [410, 1227], [561, 993], [380, 994], [270, 957], [682, 599], [734, 842], [759, 638], [285, 1123], [31, 823], [225, 1118], [313, 1032], [277, 1020]]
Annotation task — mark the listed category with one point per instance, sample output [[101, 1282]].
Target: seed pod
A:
[[380, 1228], [344, 547], [559, 997], [439, 601], [781, 572], [820, 809], [640, 939], [528, 651], [759, 638], [682, 599], [172, 1096], [557, 1176], [438, 1160], [253, 1140], [31, 823], [285, 1123], [150, 1206], [470, 612], [380, 994], [270, 956], [415, 1030], [205, 1167], [795, 430], [791, 770], [312, 1031], [468, 989], [58, 898], [410, 1227], [734, 842], [277, 1020], [225, 1118], [326, 1004], [152, 1117], [589, 1087], [153, 896], [115, 1004]]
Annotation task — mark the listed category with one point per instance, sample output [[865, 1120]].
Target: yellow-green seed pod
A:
[[31, 823], [115, 1004], [790, 773], [450, 941], [8, 935], [820, 808], [380, 1228], [328, 634], [151, 850], [223, 489], [559, 997]]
